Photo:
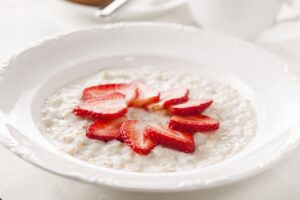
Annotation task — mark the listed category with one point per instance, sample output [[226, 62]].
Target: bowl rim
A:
[[20, 150]]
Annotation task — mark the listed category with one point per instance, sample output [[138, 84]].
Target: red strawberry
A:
[[170, 138], [100, 90], [169, 98], [146, 95], [106, 107], [191, 107], [193, 124], [129, 90], [105, 131], [132, 133]]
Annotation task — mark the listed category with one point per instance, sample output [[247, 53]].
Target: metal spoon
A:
[[112, 8]]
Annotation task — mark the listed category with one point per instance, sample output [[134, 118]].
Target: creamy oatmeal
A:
[[236, 115]]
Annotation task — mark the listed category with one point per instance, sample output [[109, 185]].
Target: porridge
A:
[[232, 121]]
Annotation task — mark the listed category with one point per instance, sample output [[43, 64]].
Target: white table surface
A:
[[23, 22]]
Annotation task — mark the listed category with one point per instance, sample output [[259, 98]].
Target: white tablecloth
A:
[[24, 22]]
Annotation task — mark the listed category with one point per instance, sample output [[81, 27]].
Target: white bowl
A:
[[30, 76]]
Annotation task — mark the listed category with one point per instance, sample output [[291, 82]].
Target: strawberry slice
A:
[[191, 107], [100, 90], [146, 95], [193, 124], [170, 138], [132, 133], [129, 90], [105, 107], [169, 98], [106, 130]]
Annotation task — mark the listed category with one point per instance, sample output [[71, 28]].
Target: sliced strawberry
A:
[[100, 90], [106, 130], [146, 95], [191, 107], [106, 107], [170, 138], [132, 133], [129, 90], [169, 98], [193, 124]]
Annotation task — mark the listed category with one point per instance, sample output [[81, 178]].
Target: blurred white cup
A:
[[243, 18]]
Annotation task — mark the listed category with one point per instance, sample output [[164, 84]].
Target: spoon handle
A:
[[111, 8]]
